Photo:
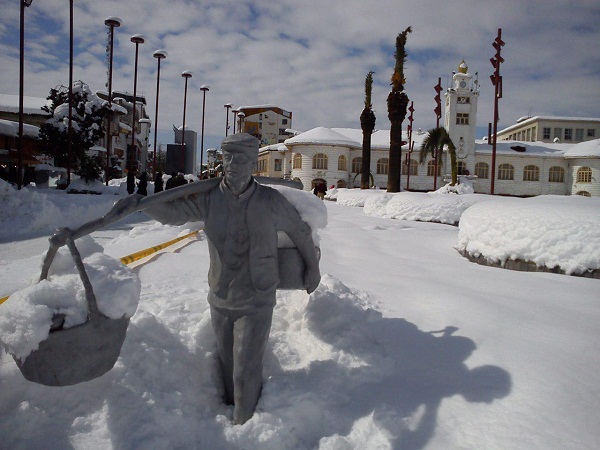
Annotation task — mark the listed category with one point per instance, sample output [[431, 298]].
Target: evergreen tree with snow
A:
[[88, 112]]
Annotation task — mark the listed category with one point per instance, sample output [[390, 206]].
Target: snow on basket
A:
[[68, 329]]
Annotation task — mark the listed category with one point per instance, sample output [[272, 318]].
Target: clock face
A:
[[463, 84]]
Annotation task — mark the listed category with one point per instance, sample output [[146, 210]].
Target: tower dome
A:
[[463, 68]]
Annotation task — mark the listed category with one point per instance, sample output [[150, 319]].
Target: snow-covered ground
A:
[[405, 344]]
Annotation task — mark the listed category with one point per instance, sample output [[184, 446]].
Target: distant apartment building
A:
[[552, 129], [268, 123]]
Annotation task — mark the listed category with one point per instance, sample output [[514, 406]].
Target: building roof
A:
[[529, 120], [587, 149], [515, 148], [323, 136], [10, 128]]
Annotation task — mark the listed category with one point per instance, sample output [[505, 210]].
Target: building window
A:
[[283, 121], [556, 175], [584, 175], [579, 134], [412, 168], [482, 170], [506, 172], [558, 133], [531, 173], [584, 193], [383, 165], [568, 134], [342, 163], [462, 168], [431, 168], [463, 100], [591, 132], [462, 118], [546, 134], [278, 165], [320, 161], [357, 165], [262, 165], [297, 161]]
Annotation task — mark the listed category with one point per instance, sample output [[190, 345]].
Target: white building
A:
[[334, 156]]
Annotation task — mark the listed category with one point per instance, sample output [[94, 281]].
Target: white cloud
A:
[[311, 56]]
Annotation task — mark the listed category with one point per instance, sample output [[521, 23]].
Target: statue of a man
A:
[[241, 220]]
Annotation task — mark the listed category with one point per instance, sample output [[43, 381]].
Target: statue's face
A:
[[238, 168]]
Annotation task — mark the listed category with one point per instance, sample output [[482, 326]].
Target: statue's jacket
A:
[[266, 212]]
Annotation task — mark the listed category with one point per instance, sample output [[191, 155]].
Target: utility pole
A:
[[497, 82]]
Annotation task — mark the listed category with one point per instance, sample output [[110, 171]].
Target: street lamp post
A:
[[227, 108], [241, 116], [158, 54], [497, 82], [24, 3], [137, 39], [204, 89], [112, 23], [70, 126], [185, 74], [234, 112]]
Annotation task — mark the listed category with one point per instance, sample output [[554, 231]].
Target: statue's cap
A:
[[241, 143]]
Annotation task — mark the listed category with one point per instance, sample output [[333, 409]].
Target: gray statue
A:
[[241, 219]]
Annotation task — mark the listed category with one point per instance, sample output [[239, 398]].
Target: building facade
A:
[[268, 123], [552, 129]]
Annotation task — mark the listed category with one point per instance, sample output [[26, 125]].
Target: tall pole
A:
[[186, 74], [158, 54], [411, 109], [234, 112], [241, 116], [204, 89], [137, 39], [438, 116], [497, 82], [227, 108], [21, 90], [70, 126], [112, 23]]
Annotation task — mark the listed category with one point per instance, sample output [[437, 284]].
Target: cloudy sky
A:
[[311, 56]]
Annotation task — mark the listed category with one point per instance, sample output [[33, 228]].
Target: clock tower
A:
[[460, 114]]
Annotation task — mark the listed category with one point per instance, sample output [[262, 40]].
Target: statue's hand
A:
[[312, 278]]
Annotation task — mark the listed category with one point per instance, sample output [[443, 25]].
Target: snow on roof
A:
[[531, 148], [10, 128], [584, 149], [31, 105], [526, 120], [324, 136]]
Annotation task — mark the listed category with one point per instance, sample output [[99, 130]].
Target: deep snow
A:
[[405, 344]]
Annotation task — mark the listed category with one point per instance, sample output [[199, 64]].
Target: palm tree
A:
[[438, 138], [397, 102], [367, 123]]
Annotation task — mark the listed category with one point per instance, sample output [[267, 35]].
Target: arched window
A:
[[506, 172], [462, 168], [584, 175], [584, 193], [531, 173], [341, 184], [482, 170], [383, 166], [342, 164], [320, 161], [357, 165], [556, 174], [412, 167], [297, 162], [431, 168]]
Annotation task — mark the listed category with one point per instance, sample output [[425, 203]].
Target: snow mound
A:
[[551, 231], [25, 318]]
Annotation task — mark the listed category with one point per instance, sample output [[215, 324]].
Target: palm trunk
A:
[[367, 123], [397, 106]]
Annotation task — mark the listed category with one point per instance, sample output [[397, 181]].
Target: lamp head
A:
[[27, 2], [160, 54], [138, 39], [204, 88], [186, 74], [113, 22]]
